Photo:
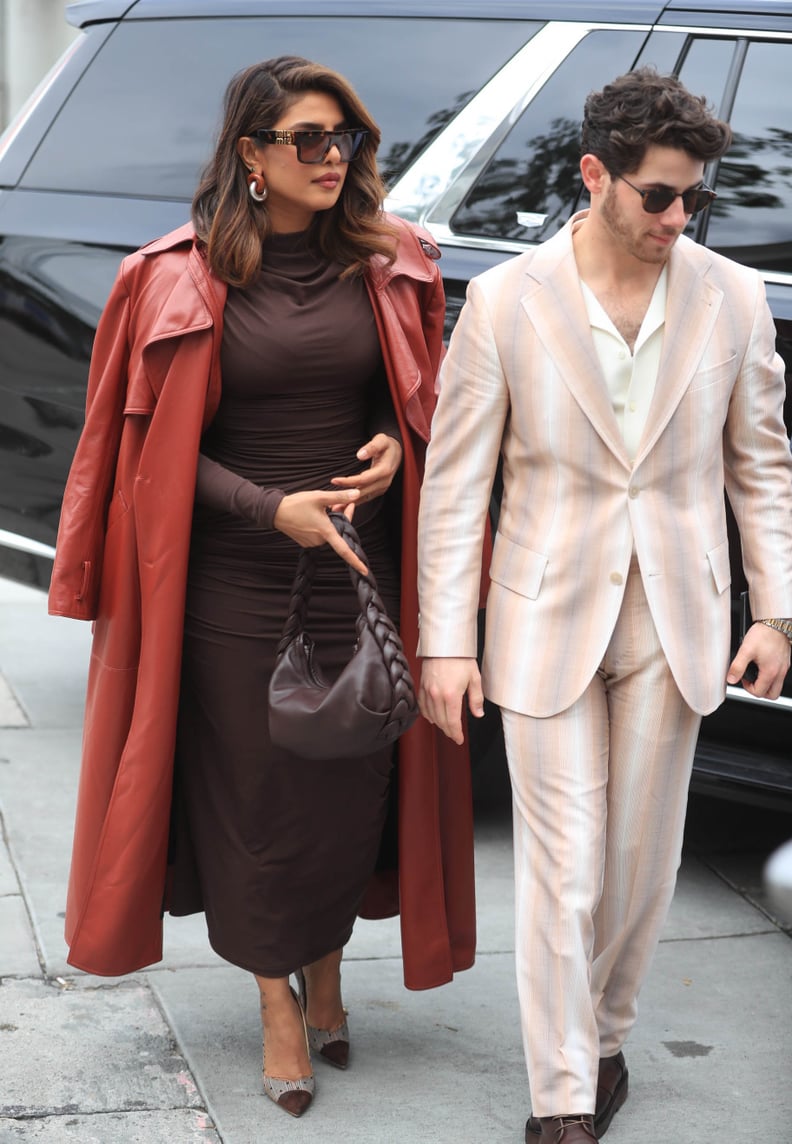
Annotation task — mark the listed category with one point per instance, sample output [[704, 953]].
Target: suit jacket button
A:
[[616, 578]]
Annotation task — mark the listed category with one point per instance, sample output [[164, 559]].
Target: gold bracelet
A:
[[783, 626]]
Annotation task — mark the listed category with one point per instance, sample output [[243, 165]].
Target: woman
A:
[[271, 361]]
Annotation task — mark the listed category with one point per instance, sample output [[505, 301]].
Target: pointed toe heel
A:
[[293, 1096], [332, 1045]]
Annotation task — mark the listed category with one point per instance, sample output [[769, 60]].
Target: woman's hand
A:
[[303, 517], [385, 454]]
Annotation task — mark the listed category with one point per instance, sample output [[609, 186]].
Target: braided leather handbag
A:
[[373, 700]]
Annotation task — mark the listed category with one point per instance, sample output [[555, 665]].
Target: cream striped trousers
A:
[[599, 798]]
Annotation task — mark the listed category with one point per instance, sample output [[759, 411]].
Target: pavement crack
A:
[[719, 936]]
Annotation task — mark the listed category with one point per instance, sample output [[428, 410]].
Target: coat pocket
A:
[[721, 568], [119, 506], [516, 567]]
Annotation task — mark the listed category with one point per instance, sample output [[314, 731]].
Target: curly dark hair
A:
[[643, 108], [233, 229]]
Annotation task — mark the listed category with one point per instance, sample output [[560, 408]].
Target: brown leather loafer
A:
[[563, 1130], [612, 1084], [612, 1087]]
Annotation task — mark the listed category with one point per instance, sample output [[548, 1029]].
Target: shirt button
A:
[[616, 577], [632, 407], [633, 492]]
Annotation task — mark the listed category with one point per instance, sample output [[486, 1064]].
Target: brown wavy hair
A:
[[644, 108], [232, 227]]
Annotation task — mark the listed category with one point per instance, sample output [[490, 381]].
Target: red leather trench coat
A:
[[121, 560]]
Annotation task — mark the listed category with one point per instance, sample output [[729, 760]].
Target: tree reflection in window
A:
[[536, 169], [398, 157], [750, 175], [751, 220], [547, 184]]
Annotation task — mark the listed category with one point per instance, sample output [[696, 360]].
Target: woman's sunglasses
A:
[[659, 199], [312, 146]]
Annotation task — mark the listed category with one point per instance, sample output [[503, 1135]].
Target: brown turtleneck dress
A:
[[283, 846]]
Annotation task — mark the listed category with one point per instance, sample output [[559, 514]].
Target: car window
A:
[[143, 119], [704, 69], [701, 62], [662, 51], [751, 221], [531, 185]]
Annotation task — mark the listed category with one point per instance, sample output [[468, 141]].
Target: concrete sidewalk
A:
[[172, 1055]]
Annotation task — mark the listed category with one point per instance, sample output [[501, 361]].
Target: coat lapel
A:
[[554, 303], [692, 306], [193, 304]]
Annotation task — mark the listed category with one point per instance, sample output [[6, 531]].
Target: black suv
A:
[[479, 103]]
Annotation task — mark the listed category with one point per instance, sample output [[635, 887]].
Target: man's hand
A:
[[770, 651], [444, 681]]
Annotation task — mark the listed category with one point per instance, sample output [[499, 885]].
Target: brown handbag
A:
[[370, 704]]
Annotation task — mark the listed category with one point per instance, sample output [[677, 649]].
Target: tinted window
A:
[[704, 71], [752, 218], [51, 295], [530, 187], [144, 117], [662, 50]]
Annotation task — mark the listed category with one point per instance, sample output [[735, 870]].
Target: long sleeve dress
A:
[[283, 846]]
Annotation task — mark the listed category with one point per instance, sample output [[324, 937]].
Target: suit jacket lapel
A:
[[554, 303], [692, 306]]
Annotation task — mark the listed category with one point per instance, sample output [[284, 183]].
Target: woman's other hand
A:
[[385, 454], [303, 517]]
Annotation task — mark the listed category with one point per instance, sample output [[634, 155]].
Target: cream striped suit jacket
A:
[[522, 378]]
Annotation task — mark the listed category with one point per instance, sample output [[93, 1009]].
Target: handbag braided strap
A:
[[373, 616], [300, 596]]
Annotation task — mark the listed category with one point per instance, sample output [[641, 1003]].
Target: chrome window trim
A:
[[443, 234], [441, 213], [724, 33], [489, 114], [466, 145], [741, 696], [25, 544]]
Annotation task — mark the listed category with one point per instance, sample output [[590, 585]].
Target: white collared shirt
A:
[[630, 377]]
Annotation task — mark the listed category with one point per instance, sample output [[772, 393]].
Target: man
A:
[[624, 374]]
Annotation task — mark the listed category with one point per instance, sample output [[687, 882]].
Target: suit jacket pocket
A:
[[717, 374], [516, 567], [719, 563]]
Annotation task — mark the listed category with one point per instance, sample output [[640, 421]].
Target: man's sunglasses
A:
[[313, 146], [659, 199]]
